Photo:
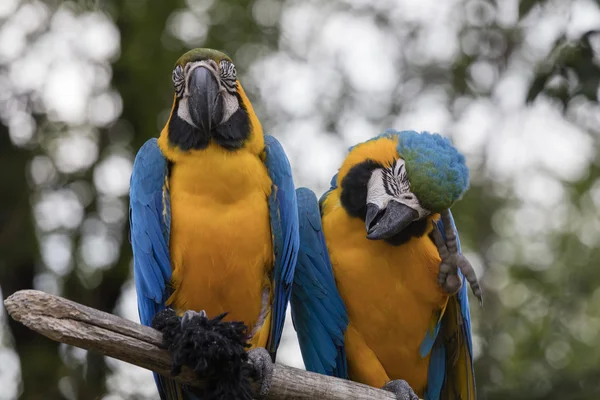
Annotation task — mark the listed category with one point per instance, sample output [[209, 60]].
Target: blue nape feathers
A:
[[436, 170]]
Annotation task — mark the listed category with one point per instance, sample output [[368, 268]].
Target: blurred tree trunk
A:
[[40, 362]]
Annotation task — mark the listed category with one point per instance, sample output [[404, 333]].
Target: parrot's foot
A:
[[401, 389], [452, 260], [189, 315], [263, 370], [214, 349]]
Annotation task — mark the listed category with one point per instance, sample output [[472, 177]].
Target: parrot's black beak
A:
[[383, 224], [205, 103]]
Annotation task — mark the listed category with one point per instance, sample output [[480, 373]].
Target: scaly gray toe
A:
[[401, 389], [263, 367]]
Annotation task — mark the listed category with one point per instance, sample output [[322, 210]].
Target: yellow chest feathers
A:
[[385, 288], [380, 269], [221, 246]]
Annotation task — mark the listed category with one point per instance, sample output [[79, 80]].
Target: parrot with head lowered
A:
[[379, 294], [213, 215]]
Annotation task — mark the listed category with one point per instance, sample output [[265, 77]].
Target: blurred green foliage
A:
[[538, 330]]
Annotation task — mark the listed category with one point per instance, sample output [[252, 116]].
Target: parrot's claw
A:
[[401, 389], [452, 260], [263, 370]]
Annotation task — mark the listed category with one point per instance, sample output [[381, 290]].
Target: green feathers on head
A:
[[201, 54], [436, 171]]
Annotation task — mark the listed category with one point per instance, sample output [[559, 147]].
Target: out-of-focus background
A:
[[514, 84]]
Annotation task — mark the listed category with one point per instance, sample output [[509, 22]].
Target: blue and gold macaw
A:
[[378, 292], [213, 213]]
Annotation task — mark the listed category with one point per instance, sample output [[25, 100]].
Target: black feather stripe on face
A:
[[178, 81], [228, 76], [395, 180], [402, 179], [390, 184]]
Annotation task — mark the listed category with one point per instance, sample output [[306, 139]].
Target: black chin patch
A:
[[415, 229], [354, 188], [184, 135], [232, 133]]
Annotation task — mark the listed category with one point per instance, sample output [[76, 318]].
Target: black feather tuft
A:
[[214, 349], [354, 188]]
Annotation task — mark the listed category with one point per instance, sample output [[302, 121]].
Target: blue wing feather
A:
[[436, 375], [149, 232], [319, 314], [438, 366], [284, 228]]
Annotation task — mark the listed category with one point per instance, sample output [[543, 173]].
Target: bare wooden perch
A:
[[77, 325]]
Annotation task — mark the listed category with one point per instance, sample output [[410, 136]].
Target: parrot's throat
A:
[[230, 135], [354, 200]]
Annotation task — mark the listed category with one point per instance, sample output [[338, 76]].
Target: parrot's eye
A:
[[228, 76], [178, 80]]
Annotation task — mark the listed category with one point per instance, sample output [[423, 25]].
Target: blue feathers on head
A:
[[436, 171]]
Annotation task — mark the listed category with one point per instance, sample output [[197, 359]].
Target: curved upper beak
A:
[[383, 224], [205, 103]]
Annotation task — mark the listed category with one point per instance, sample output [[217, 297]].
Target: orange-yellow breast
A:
[[221, 246], [390, 292]]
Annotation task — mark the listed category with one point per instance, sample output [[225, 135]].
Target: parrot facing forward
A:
[[213, 213], [378, 292]]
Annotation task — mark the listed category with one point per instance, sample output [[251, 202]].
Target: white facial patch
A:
[[230, 104], [392, 184], [183, 111], [376, 193]]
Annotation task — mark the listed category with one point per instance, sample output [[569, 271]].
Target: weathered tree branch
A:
[[77, 325]]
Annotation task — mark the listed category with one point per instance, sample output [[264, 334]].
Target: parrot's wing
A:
[[318, 312], [284, 229], [150, 221], [451, 373]]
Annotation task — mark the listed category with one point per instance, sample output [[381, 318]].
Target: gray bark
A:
[[72, 323]]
